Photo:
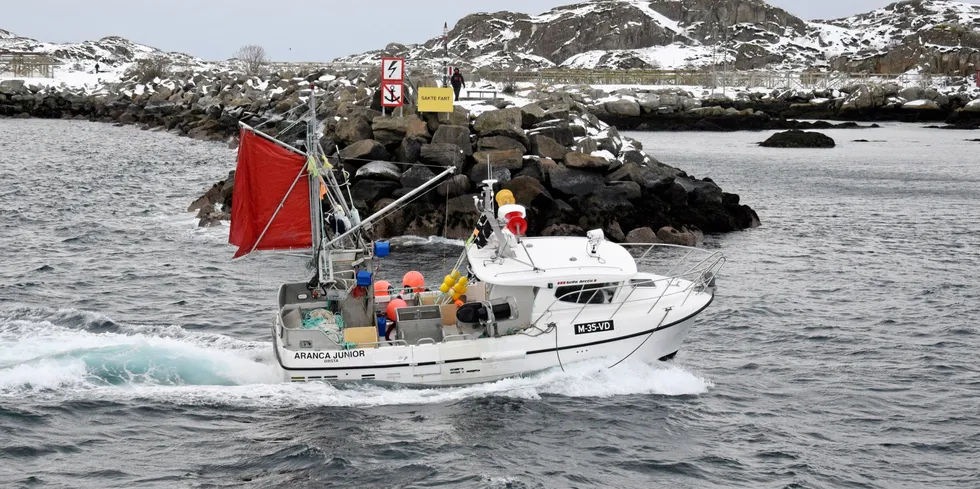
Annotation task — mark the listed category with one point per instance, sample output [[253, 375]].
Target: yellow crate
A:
[[362, 336]]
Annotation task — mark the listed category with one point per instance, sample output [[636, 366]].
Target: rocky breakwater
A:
[[676, 109], [203, 105], [572, 171]]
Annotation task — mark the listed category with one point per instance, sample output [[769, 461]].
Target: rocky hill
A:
[[934, 36], [113, 53]]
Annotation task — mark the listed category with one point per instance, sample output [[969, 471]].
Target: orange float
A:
[[394, 305], [414, 281], [382, 288]]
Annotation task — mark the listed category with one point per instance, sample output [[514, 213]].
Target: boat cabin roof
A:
[[553, 259]]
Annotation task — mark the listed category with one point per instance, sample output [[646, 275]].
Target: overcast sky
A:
[[290, 31]]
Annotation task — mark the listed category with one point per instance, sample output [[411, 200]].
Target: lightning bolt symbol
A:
[[391, 69]]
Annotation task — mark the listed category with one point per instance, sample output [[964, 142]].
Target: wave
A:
[[409, 241], [70, 349]]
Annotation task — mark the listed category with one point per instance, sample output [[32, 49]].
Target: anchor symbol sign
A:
[[391, 95]]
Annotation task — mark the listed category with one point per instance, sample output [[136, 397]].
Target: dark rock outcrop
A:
[[798, 139]]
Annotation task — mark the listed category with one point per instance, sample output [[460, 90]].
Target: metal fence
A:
[[714, 79]]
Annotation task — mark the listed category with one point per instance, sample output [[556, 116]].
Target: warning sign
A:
[[391, 94], [393, 69], [435, 99]]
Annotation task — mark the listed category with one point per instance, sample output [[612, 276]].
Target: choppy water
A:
[[841, 351]]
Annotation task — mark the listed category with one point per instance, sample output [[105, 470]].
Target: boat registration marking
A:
[[596, 327]]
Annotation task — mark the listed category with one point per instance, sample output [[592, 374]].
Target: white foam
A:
[[406, 241], [38, 355]]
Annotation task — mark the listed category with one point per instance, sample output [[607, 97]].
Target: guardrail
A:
[[698, 277]]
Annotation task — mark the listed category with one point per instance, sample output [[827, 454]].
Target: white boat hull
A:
[[643, 337]]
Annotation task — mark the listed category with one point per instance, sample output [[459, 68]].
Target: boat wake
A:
[[45, 359]]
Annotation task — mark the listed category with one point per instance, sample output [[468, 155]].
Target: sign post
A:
[[978, 77], [392, 82]]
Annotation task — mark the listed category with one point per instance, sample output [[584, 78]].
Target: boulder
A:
[[972, 106], [443, 154], [701, 192], [379, 170], [586, 162], [921, 105], [410, 150], [391, 130], [416, 176], [563, 230], [367, 149], [461, 217], [392, 224], [531, 114], [500, 142], [570, 181], [560, 131], [911, 93], [530, 193], [458, 135], [354, 129], [547, 147], [479, 173], [623, 108], [511, 159], [672, 236], [796, 138], [454, 186], [11, 87], [374, 190], [631, 190], [642, 235], [538, 168], [650, 177], [614, 232], [499, 122]]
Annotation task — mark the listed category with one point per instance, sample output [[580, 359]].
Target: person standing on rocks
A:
[[457, 82], [96, 68]]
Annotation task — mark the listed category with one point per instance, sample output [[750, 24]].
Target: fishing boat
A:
[[512, 304]]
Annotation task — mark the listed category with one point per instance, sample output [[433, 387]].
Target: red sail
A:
[[265, 174]]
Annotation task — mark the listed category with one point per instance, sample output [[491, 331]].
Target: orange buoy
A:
[[382, 288], [414, 281], [394, 305], [459, 303]]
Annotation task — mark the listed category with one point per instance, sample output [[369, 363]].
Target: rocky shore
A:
[[573, 171], [677, 109]]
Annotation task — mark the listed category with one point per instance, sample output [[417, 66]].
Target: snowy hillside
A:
[[113, 54], [675, 34]]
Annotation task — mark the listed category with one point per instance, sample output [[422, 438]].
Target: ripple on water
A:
[[840, 350]]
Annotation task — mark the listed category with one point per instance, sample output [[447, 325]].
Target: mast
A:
[[313, 155]]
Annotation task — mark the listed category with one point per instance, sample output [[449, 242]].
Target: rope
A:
[[446, 225], [644, 340], [558, 352]]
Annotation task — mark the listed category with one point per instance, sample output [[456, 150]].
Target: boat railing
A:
[[695, 271]]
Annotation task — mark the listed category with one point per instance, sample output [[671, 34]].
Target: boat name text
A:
[[328, 356]]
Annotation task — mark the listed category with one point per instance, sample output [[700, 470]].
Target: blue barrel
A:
[[382, 326], [382, 249], [364, 278]]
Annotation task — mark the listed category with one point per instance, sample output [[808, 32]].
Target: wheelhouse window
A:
[[599, 293]]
